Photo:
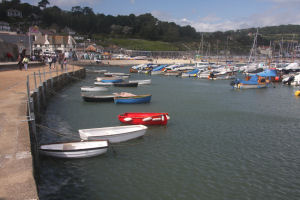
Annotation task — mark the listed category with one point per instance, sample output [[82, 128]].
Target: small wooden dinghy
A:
[[92, 89], [113, 134], [81, 149], [144, 118], [141, 82], [126, 84], [98, 98]]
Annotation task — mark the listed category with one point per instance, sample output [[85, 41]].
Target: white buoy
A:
[[147, 119], [127, 119]]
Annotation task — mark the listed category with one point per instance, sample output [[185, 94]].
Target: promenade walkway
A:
[[16, 169]]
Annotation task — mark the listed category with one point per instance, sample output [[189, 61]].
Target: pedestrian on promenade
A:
[[65, 63], [20, 59], [54, 59], [20, 64], [49, 60], [25, 62], [61, 57], [9, 56]]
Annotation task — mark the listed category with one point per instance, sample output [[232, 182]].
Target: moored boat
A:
[[253, 83], [80, 149], [172, 73], [113, 134], [96, 71], [103, 84], [126, 84], [114, 74], [144, 118], [110, 80], [93, 89], [133, 99], [98, 98], [141, 82]]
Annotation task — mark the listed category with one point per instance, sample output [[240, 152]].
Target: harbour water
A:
[[220, 143]]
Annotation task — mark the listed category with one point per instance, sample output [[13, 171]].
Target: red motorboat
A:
[[145, 118]]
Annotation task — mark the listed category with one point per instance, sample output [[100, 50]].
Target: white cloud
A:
[[163, 16]]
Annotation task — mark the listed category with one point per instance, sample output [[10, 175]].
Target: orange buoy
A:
[[297, 93]]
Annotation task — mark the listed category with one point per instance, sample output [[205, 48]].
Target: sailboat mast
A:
[[253, 46]]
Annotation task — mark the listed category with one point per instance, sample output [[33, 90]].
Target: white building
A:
[[53, 43], [4, 26], [14, 13]]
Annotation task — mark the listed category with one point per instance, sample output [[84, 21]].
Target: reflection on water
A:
[[219, 144]]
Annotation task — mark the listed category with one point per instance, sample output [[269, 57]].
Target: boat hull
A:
[[157, 72], [133, 100], [144, 118], [120, 134], [93, 89], [103, 98], [81, 149], [242, 86], [122, 84], [111, 80], [141, 82], [74, 154]]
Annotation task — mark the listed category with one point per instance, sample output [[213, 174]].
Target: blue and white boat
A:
[[158, 70], [111, 80], [192, 73], [253, 83], [133, 99]]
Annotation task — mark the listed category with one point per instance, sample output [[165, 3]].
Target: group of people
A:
[[61, 58]]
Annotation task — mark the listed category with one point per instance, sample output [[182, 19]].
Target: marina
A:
[[219, 143]]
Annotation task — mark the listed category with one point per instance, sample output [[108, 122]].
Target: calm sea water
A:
[[220, 143]]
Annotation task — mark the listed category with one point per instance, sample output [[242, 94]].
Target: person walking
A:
[[25, 62], [20, 59], [65, 63], [54, 59], [49, 60], [61, 58]]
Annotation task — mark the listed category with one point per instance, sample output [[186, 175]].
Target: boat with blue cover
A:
[[192, 73], [252, 83], [135, 99], [158, 70]]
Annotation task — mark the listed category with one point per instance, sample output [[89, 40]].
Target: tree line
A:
[[85, 21]]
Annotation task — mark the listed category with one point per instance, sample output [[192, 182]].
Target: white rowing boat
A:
[[93, 89], [113, 134], [103, 84], [79, 149], [141, 82]]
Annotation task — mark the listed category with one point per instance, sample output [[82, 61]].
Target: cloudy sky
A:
[[203, 15]]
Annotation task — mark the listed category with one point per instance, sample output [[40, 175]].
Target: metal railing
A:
[[37, 79]]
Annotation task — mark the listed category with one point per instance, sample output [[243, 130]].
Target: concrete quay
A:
[[17, 177]]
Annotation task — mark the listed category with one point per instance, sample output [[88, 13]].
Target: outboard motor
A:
[[232, 83], [235, 82], [289, 80]]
